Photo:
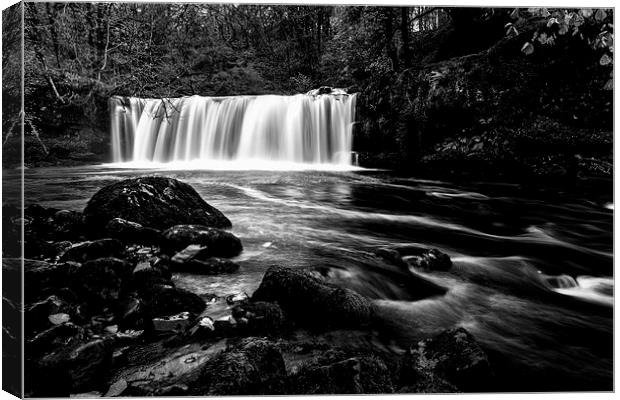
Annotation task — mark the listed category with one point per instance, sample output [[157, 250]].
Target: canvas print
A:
[[212, 199]]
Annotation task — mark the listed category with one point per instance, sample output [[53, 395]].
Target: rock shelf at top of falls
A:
[[305, 128], [106, 316]]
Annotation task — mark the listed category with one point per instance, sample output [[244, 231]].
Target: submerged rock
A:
[[153, 201], [220, 243], [429, 260], [132, 232], [456, 356], [261, 318], [312, 302], [92, 250]]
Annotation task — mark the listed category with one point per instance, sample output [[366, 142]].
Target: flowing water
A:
[[311, 129], [532, 277]]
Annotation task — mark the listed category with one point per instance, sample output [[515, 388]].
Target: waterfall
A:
[[304, 128]]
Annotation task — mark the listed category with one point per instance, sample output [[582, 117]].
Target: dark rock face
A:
[[308, 300], [358, 375], [132, 232], [78, 368], [219, 242], [155, 202], [254, 366], [67, 225], [101, 280], [456, 356], [92, 250], [165, 300], [210, 266], [260, 318]]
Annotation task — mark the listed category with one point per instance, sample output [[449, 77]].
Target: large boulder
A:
[[153, 201], [220, 243], [310, 301], [132, 232]]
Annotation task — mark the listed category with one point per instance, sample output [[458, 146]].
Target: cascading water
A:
[[305, 129]]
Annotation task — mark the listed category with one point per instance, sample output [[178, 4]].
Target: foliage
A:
[[595, 26]]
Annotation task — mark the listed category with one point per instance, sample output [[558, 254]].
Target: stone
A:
[[429, 260], [75, 369], [311, 302], [220, 243], [191, 252], [357, 375], [59, 318], [209, 266], [91, 250], [254, 366], [67, 224], [132, 232], [133, 314], [164, 300], [101, 280], [177, 323], [57, 336], [152, 201], [262, 318], [37, 315], [456, 356]]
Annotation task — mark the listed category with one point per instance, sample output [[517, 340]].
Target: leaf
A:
[[609, 85], [605, 60], [586, 12], [545, 13], [528, 48], [117, 388], [600, 15], [551, 22], [563, 29]]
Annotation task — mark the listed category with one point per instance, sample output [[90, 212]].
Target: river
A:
[[532, 275]]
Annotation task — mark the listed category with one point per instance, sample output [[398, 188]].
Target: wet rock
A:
[[57, 336], [391, 255], [456, 356], [191, 252], [262, 318], [253, 366], [85, 251], [132, 232], [177, 323], [164, 300], [180, 368], [358, 375], [209, 266], [101, 280], [38, 275], [429, 260], [312, 302], [146, 275], [133, 314], [79, 368], [37, 314], [66, 224], [220, 243], [156, 202]]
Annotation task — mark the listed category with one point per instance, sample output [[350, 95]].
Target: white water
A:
[[276, 131]]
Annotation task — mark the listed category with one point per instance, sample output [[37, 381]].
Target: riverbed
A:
[[532, 274]]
